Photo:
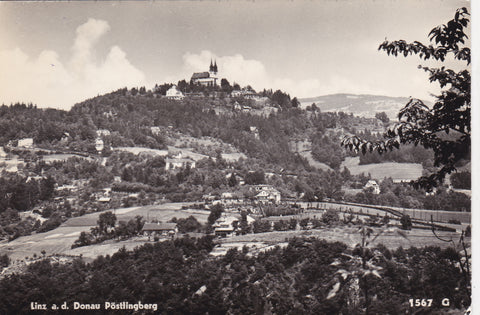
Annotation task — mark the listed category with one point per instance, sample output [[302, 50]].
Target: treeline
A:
[[405, 196], [309, 276], [406, 154], [23, 193]]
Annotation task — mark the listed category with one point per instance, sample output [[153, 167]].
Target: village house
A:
[[174, 94], [228, 199], [374, 185], [246, 109], [25, 143], [104, 195], [155, 130], [178, 161], [267, 194], [236, 93], [160, 229], [103, 133], [237, 106], [36, 178], [67, 188], [175, 163], [99, 145], [225, 226], [246, 94], [206, 78], [240, 179], [254, 131], [207, 198]]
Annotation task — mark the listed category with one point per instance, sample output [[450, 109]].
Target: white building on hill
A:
[[209, 78], [174, 94]]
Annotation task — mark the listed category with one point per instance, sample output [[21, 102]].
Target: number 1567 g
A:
[[420, 302]]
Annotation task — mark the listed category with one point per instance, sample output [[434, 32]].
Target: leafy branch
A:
[[443, 128]]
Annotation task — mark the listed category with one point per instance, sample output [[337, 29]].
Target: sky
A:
[[55, 54]]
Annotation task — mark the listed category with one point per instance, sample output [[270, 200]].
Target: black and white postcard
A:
[[236, 157]]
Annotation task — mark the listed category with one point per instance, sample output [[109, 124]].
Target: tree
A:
[[215, 213], [382, 117], [47, 188], [444, 128], [461, 180], [189, 224], [295, 102], [225, 85], [232, 180], [105, 221], [406, 222]]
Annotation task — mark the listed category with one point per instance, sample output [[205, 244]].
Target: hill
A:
[[361, 105]]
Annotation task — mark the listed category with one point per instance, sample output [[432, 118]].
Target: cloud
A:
[[237, 68], [244, 71], [44, 80]]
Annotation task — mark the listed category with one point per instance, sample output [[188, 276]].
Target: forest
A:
[[308, 276], [129, 116]]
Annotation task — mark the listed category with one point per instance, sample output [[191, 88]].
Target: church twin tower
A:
[[206, 78], [213, 67]]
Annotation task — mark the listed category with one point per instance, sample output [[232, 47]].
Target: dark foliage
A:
[[444, 128], [182, 278]]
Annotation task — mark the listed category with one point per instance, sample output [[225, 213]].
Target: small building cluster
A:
[[267, 194], [160, 229], [179, 162]]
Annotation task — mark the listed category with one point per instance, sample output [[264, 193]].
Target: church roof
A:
[[201, 75]]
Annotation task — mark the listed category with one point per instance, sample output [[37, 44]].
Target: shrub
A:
[[406, 222]]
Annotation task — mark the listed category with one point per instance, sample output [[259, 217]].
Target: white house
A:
[[99, 145], [25, 143], [174, 94], [173, 163], [160, 229], [103, 132], [225, 225], [267, 194], [236, 93], [373, 184], [155, 130], [229, 198]]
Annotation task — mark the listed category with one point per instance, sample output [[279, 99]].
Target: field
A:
[[391, 238], [379, 171], [60, 240]]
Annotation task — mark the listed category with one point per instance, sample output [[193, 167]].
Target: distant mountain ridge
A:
[[363, 105]]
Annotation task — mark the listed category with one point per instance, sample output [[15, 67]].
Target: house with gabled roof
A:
[[174, 94], [167, 229], [374, 185], [267, 194]]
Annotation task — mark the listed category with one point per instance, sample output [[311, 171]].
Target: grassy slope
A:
[[400, 171], [59, 240]]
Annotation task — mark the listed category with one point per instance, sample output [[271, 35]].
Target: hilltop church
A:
[[206, 78]]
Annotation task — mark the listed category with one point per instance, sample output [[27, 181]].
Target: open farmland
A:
[[391, 238], [379, 171], [60, 240]]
